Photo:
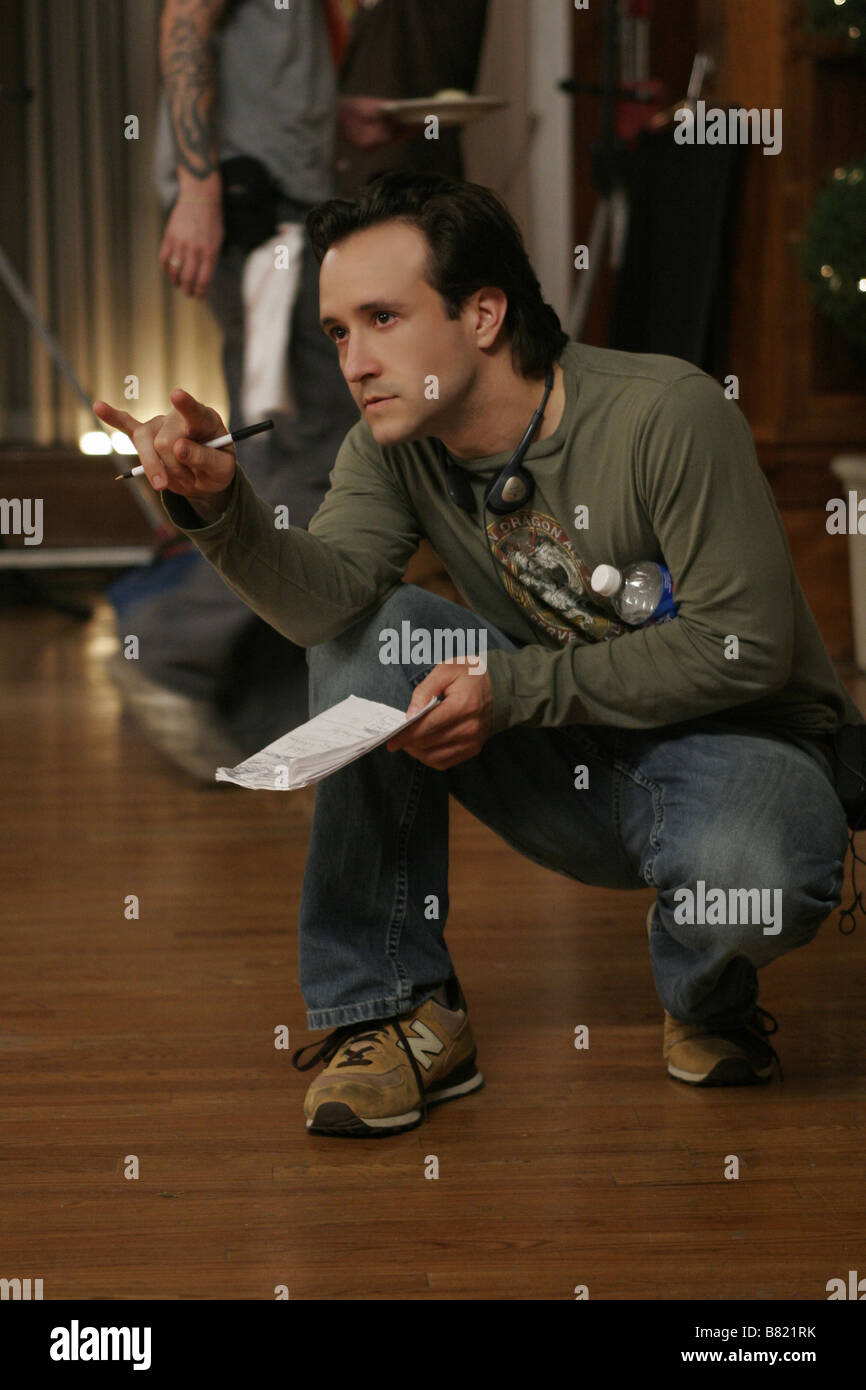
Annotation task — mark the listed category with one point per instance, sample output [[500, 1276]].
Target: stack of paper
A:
[[321, 746]]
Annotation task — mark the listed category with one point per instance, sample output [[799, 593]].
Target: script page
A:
[[323, 745]]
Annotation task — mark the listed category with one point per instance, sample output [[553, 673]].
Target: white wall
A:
[[523, 152], [496, 147], [550, 165]]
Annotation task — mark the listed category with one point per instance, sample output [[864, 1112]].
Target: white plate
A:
[[450, 112]]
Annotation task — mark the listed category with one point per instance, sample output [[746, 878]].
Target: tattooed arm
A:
[[194, 231]]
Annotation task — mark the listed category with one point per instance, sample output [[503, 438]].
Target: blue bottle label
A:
[[666, 608]]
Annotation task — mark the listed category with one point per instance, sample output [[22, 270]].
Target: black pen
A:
[[219, 443]]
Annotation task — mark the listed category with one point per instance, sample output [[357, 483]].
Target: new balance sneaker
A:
[[381, 1077], [713, 1056], [738, 1056]]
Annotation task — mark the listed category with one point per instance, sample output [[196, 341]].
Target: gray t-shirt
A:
[[276, 98]]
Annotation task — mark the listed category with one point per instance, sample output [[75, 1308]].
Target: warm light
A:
[[122, 443], [95, 442], [826, 271], [838, 2], [861, 285]]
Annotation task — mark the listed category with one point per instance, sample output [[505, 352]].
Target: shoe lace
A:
[[857, 900], [361, 1032], [757, 1022]]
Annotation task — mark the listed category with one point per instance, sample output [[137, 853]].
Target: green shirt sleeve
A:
[[311, 585], [696, 475]]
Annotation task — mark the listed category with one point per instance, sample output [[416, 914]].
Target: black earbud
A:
[[514, 486]]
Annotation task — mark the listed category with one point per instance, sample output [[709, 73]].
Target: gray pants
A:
[[196, 636]]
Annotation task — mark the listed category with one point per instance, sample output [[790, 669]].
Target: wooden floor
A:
[[154, 1038]]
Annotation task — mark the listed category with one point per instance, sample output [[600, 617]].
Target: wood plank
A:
[[155, 1037]]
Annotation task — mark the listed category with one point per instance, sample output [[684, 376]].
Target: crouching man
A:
[[691, 756]]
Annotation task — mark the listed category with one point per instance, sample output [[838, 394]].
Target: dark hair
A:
[[473, 240]]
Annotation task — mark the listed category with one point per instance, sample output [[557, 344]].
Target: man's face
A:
[[392, 334]]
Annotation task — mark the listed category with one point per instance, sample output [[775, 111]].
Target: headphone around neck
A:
[[514, 486]]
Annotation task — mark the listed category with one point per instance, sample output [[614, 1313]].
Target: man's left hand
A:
[[457, 728], [365, 125]]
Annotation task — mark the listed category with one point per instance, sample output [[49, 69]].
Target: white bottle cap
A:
[[606, 580]]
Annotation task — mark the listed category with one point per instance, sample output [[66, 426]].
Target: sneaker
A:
[[381, 1077], [721, 1056], [728, 1056]]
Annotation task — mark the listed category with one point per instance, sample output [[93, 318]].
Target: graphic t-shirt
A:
[[545, 575], [650, 461]]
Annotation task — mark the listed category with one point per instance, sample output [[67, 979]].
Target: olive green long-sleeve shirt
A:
[[650, 461]]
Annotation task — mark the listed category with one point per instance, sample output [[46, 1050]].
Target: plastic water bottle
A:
[[642, 593]]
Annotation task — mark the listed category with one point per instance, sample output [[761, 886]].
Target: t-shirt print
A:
[[548, 579]]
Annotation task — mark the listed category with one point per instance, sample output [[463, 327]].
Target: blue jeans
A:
[[703, 800]]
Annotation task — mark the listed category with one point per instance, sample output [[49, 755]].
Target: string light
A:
[[833, 251], [843, 18]]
